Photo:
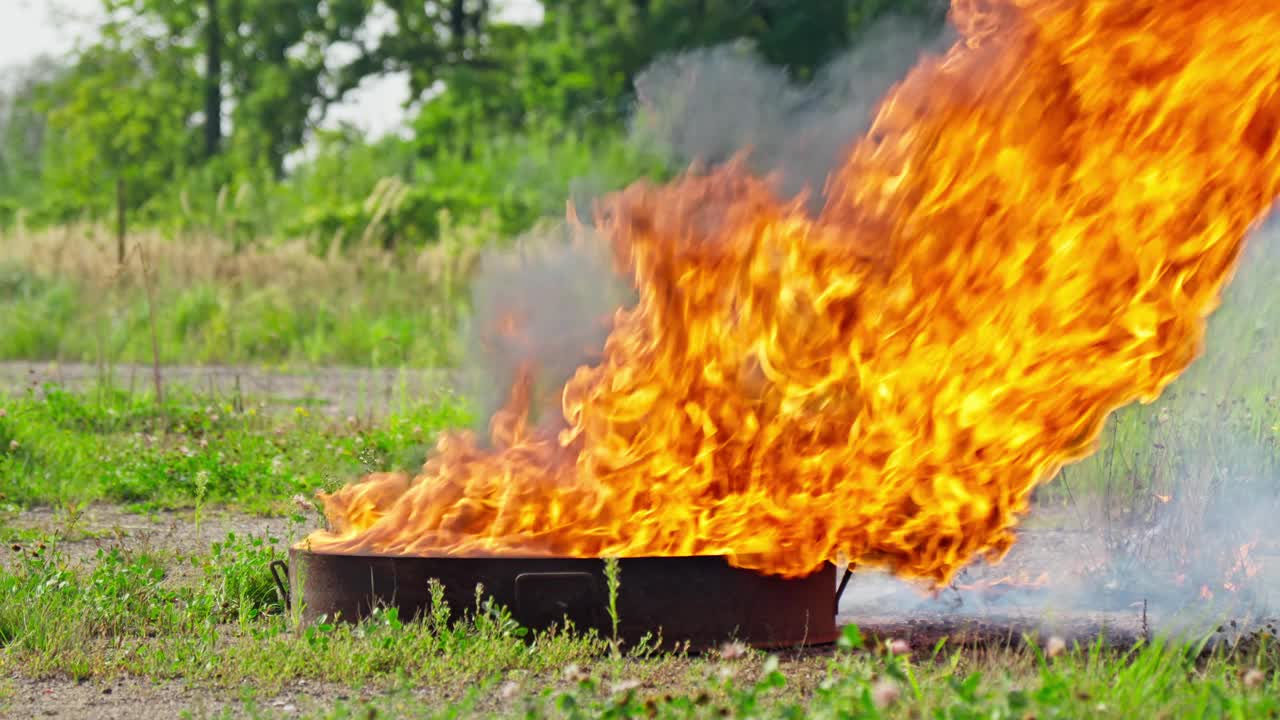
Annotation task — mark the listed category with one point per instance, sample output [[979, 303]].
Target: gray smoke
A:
[[708, 105], [547, 303]]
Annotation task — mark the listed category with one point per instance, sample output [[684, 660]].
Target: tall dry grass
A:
[[64, 296], [86, 253]]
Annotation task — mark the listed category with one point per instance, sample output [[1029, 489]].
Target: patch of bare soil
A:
[[338, 392], [139, 699], [165, 534]]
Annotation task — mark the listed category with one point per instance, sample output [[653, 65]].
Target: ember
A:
[[1243, 570], [1030, 236]]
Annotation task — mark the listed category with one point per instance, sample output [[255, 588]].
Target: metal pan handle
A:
[[280, 573], [844, 582]]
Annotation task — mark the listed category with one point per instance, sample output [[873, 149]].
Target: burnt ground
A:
[[1063, 581], [338, 392]]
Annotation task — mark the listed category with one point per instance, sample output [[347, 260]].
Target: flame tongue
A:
[[1030, 235]]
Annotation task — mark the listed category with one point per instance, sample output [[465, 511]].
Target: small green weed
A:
[[238, 580], [613, 581]]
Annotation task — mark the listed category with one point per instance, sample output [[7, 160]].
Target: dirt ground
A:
[[138, 699], [339, 392], [884, 608], [164, 534]]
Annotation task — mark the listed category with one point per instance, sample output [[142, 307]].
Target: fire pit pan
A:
[[703, 601]]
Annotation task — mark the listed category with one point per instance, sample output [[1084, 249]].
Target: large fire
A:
[[1030, 235]]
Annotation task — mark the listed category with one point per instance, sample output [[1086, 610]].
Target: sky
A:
[[29, 28]]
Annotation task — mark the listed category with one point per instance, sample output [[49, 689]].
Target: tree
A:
[[123, 111], [278, 71], [457, 59], [210, 91], [263, 64], [23, 129]]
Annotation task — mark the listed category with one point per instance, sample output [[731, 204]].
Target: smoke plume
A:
[[707, 106], [545, 305]]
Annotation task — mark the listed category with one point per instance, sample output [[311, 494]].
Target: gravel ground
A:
[[339, 392]]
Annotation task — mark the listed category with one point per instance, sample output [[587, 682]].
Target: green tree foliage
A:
[[260, 63], [191, 102], [121, 112]]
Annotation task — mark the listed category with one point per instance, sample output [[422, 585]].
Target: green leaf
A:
[[850, 638]]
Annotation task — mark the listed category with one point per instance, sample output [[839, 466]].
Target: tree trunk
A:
[[212, 81], [458, 27], [122, 221]]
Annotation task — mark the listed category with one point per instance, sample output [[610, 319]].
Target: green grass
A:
[[122, 614], [359, 258], [63, 448], [209, 616]]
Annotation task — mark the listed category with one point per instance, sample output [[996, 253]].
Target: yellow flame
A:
[[1030, 235]]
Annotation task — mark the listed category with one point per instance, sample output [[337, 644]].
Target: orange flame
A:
[[1243, 569], [1030, 235]]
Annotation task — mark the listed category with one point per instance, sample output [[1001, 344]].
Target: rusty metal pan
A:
[[701, 601]]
